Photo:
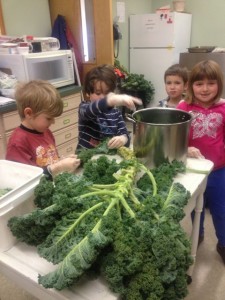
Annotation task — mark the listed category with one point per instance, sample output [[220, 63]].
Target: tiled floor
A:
[[208, 280]]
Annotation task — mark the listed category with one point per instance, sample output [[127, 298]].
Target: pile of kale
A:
[[108, 223]]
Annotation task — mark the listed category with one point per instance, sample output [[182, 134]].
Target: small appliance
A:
[[54, 66]]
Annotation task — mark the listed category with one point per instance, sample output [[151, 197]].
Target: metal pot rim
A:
[[162, 109]]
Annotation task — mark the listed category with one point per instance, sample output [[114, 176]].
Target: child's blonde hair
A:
[[40, 96], [207, 69]]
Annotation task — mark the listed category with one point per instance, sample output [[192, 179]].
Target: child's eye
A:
[[212, 82], [198, 83]]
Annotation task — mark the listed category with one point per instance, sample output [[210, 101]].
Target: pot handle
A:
[[130, 118], [194, 114]]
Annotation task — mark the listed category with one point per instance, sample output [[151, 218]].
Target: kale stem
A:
[[168, 197], [100, 186], [150, 175], [133, 197], [126, 206], [71, 228], [97, 192]]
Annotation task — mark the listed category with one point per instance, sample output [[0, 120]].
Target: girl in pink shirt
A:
[[207, 139]]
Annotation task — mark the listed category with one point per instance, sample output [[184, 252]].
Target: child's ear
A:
[[185, 86], [87, 98], [28, 112]]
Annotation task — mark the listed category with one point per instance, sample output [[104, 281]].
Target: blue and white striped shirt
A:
[[97, 121]]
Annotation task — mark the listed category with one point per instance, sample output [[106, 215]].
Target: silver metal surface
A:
[[160, 135]]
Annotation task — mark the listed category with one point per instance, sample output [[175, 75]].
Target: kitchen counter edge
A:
[[64, 91]]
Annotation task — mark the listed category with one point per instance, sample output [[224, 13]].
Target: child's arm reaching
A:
[[123, 100], [68, 164]]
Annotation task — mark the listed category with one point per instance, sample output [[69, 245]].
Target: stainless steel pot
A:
[[160, 134]]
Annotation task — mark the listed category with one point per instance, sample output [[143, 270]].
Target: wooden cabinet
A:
[[65, 128]]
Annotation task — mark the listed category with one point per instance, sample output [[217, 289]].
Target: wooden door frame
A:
[[103, 27], [2, 24]]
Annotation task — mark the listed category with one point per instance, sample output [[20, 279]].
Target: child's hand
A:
[[70, 155], [123, 100], [117, 141], [68, 164], [194, 152]]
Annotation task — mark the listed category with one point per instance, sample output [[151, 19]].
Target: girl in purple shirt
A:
[[207, 139]]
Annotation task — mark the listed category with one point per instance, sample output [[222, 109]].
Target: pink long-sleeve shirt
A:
[[207, 130]]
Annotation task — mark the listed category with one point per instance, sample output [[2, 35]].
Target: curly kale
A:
[[169, 171], [140, 264], [43, 193], [129, 267], [86, 154], [176, 199], [102, 222], [101, 170], [33, 228]]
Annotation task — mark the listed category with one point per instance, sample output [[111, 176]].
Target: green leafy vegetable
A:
[[86, 154], [121, 227]]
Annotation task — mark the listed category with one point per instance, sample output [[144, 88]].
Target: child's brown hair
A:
[[207, 69], [103, 73], [39, 95], [177, 70]]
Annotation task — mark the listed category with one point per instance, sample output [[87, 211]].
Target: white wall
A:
[[208, 20], [131, 7], [26, 17]]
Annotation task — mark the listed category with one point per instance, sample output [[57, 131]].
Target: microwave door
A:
[[54, 68], [14, 64]]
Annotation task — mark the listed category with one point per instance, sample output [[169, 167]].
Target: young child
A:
[[38, 103], [206, 139], [98, 116], [175, 79]]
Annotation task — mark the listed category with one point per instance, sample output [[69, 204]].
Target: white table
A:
[[196, 184], [22, 264]]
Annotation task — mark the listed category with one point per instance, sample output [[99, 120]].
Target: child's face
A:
[[100, 91], [205, 91], [175, 86], [39, 123]]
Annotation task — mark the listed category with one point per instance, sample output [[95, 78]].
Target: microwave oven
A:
[[53, 66]]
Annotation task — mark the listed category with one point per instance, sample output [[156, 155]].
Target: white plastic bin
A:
[[22, 179]]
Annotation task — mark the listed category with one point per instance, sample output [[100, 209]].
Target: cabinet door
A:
[[11, 120], [65, 135], [66, 119], [71, 102], [67, 148]]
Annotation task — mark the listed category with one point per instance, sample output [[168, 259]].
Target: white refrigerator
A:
[[156, 41]]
